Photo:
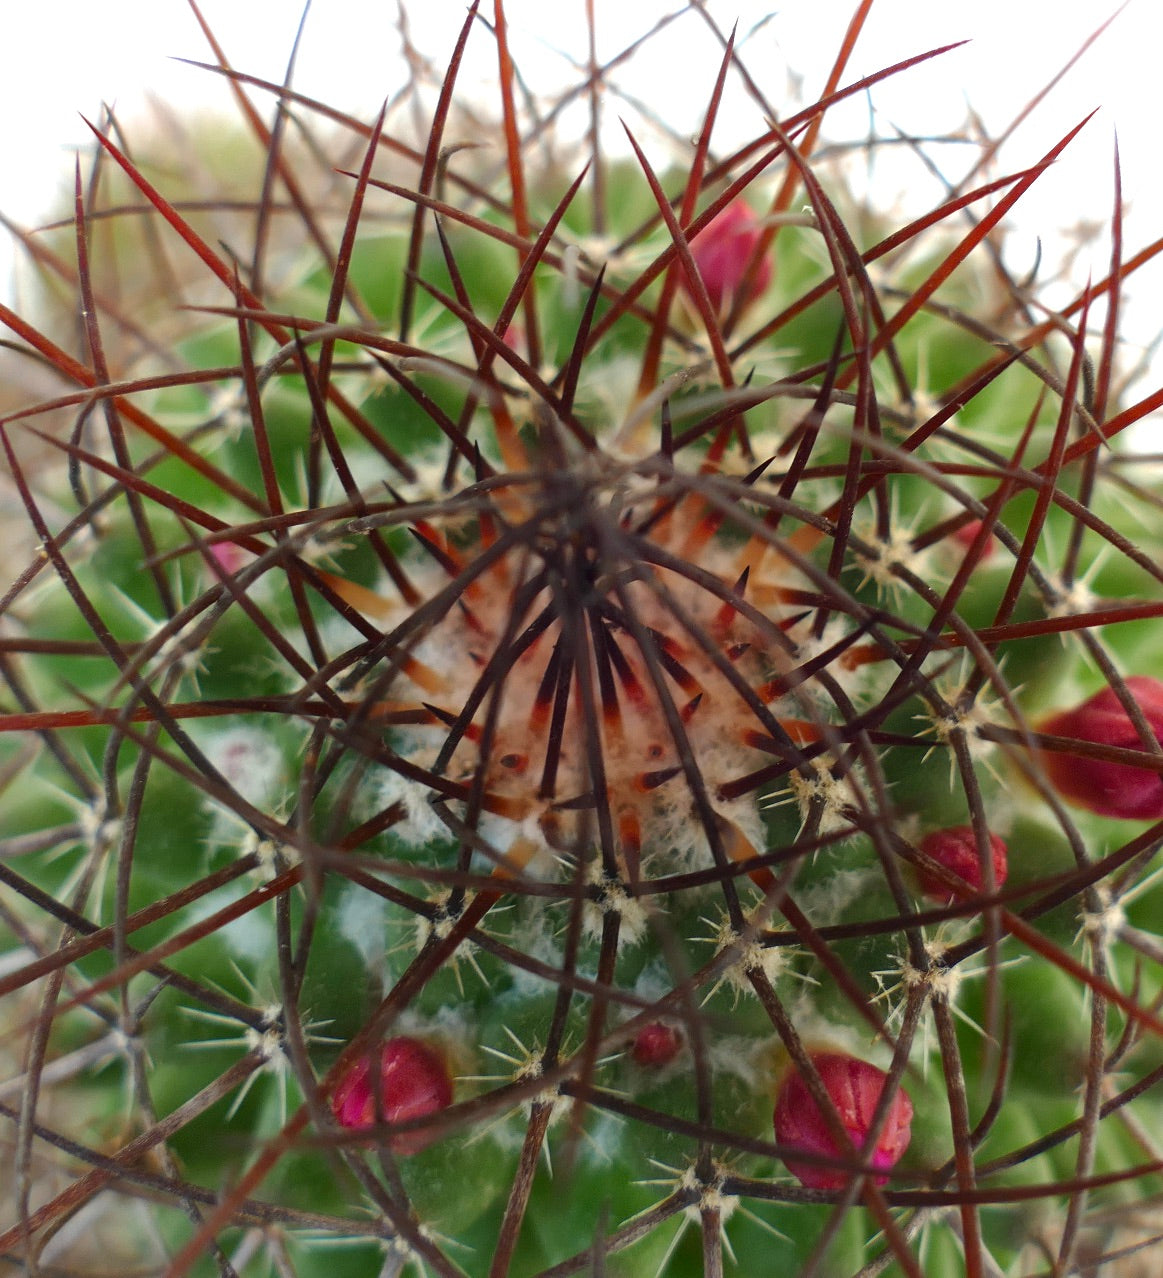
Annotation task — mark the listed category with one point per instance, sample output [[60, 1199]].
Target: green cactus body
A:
[[475, 724]]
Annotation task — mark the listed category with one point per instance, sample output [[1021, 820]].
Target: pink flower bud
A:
[[854, 1087], [228, 557], [955, 850], [966, 535], [414, 1081], [1111, 789], [721, 252], [656, 1045]]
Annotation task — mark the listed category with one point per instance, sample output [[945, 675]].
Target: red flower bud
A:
[[1111, 789], [414, 1081], [722, 250], [955, 849], [656, 1045], [854, 1087]]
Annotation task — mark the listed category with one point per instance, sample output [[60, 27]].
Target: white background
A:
[[65, 57]]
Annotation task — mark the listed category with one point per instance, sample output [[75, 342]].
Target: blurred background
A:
[[71, 56]]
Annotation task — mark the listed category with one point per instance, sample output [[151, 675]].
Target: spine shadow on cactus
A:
[[553, 733]]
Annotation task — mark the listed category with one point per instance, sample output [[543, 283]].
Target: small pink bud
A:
[[966, 535], [414, 1081], [955, 850], [228, 557], [1110, 789], [855, 1088], [722, 251], [656, 1045]]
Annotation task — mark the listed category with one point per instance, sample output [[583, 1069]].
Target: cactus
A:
[[662, 681]]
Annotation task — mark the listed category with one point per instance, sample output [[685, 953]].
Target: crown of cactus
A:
[[576, 718]]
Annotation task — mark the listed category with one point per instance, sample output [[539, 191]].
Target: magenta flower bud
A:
[[854, 1087], [1110, 789], [414, 1081], [955, 850], [722, 251], [656, 1045]]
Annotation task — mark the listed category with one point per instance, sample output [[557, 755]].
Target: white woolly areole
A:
[[420, 824], [249, 761], [613, 898]]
